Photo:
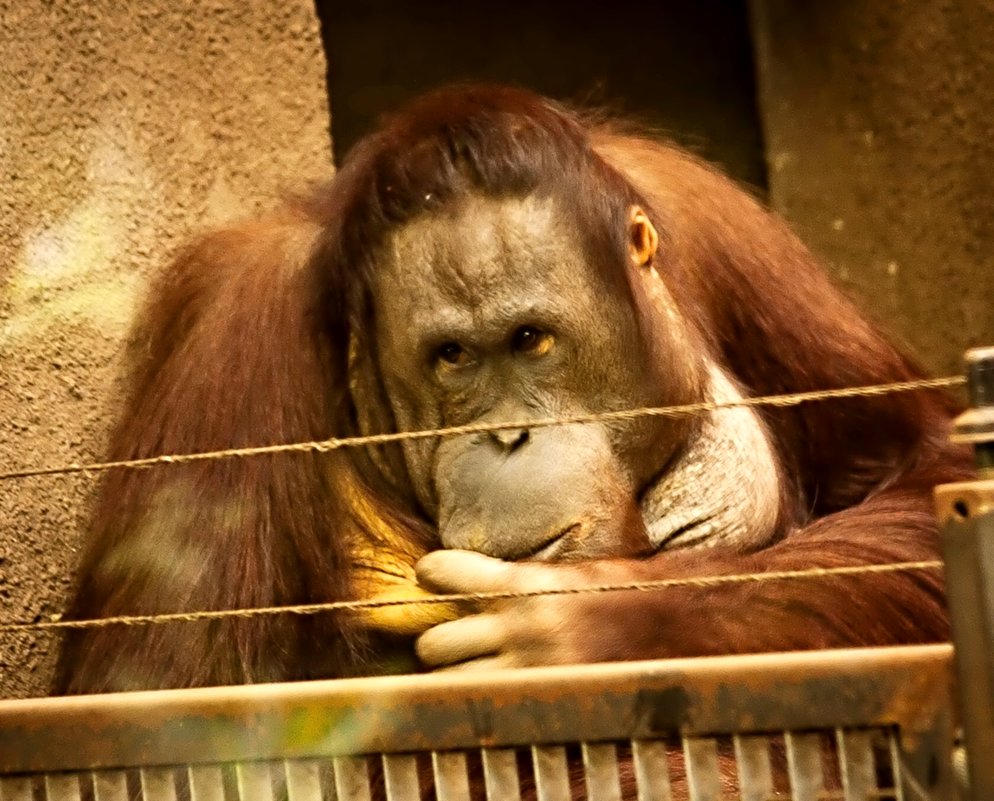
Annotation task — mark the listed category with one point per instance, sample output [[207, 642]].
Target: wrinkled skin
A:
[[484, 315]]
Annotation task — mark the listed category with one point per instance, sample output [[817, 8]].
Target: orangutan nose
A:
[[510, 439]]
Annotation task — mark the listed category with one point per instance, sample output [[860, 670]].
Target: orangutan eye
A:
[[531, 341], [452, 354]]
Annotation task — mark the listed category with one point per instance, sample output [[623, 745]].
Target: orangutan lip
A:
[[548, 550]]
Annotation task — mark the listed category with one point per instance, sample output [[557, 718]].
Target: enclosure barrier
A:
[[966, 513], [676, 724], [858, 724]]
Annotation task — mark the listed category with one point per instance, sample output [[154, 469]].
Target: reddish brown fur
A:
[[245, 342]]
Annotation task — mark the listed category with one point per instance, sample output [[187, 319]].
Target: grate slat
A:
[[400, 777], [500, 774], [551, 773], [351, 779], [206, 783], [859, 781], [752, 758], [894, 751], [254, 781], [158, 784], [804, 766], [303, 779], [15, 788], [600, 769], [451, 776], [703, 769], [110, 785], [62, 786], [652, 770]]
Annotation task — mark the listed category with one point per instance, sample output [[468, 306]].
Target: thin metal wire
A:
[[354, 606], [334, 443]]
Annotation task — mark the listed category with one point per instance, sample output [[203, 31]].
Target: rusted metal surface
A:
[[698, 766], [966, 512], [905, 687], [278, 736]]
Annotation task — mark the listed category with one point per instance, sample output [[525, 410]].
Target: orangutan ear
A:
[[642, 238]]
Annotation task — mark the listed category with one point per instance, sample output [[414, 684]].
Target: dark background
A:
[[683, 68]]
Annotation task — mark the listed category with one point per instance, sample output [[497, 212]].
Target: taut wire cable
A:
[[356, 606], [324, 446], [334, 443]]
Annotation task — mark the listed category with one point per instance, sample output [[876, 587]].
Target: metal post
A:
[[976, 425], [966, 514]]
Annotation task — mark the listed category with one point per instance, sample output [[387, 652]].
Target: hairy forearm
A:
[[770, 614]]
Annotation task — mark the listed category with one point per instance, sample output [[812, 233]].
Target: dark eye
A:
[[452, 354], [532, 341]]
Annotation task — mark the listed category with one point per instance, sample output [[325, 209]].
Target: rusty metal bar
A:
[[906, 687], [966, 513]]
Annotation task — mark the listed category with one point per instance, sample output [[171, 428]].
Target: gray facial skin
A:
[[490, 313]]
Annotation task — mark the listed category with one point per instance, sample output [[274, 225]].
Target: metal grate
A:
[[852, 765], [854, 725]]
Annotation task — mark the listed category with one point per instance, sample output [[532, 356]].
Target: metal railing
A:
[[755, 725]]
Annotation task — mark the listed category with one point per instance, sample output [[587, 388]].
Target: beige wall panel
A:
[[879, 122]]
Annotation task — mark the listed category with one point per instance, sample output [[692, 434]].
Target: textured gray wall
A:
[[124, 127], [880, 144]]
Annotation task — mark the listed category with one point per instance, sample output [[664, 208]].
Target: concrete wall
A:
[[878, 121], [123, 128]]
